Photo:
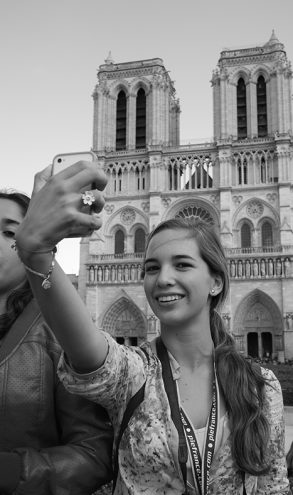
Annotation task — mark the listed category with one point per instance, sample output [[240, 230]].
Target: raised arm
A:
[[56, 211]]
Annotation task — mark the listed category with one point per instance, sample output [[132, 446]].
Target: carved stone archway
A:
[[125, 322], [258, 326]]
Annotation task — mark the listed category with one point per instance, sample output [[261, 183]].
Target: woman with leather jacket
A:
[[51, 442]]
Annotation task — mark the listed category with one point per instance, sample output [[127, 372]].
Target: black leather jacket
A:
[[65, 441]]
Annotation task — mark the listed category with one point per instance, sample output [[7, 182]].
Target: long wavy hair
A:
[[20, 297], [240, 380]]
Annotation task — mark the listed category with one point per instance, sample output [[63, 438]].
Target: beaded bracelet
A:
[[46, 284]]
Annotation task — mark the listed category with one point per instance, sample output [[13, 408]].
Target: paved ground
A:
[[288, 427]]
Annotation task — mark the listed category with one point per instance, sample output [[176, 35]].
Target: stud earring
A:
[[212, 291]]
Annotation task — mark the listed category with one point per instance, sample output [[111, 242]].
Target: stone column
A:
[[223, 96], [251, 110], [131, 122], [280, 101], [216, 84], [233, 131], [152, 331], [260, 349], [99, 142], [288, 335], [166, 119]]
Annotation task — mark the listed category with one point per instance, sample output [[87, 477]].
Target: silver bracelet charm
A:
[[46, 284]]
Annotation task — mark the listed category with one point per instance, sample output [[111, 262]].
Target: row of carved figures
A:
[[248, 268], [114, 273], [258, 268]]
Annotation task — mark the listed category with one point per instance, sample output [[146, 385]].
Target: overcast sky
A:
[[51, 50]]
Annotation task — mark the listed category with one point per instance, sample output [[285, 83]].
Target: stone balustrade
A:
[[258, 263], [110, 273], [286, 248], [264, 267]]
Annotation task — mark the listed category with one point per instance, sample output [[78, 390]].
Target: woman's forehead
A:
[[166, 240], [10, 209]]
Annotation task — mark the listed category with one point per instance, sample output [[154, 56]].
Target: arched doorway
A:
[[258, 326], [252, 344], [267, 344], [126, 326], [125, 322], [260, 344]]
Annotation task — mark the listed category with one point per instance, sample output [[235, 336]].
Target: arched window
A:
[[140, 178], [266, 234], [241, 109], [121, 122], [139, 241], [242, 171], [140, 139], [119, 242], [194, 211], [263, 170], [245, 236], [261, 96], [118, 180]]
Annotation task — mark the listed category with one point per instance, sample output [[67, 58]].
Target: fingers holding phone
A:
[[67, 205], [76, 170]]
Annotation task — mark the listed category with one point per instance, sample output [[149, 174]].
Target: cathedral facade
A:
[[241, 182]]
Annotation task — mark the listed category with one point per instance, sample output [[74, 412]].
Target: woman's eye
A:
[[183, 265], [9, 233], [151, 268]]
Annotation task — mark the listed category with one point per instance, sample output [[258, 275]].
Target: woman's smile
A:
[[169, 298]]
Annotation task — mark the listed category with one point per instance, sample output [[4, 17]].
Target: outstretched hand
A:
[[56, 209]]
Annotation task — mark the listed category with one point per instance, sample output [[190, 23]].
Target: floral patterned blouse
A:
[[148, 462]]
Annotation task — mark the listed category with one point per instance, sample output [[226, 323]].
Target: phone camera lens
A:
[[59, 160]]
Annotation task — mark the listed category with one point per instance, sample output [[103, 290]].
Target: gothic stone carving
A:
[[254, 209], [109, 208], [127, 216]]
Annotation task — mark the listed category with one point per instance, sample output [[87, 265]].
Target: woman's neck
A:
[[190, 349]]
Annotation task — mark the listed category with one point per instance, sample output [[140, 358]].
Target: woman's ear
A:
[[217, 285]]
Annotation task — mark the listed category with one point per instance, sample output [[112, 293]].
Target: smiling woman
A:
[[178, 283], [210, 421]]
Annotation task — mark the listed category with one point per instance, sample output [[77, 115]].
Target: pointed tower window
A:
[[245, 236], [267, 235], [261, 96], [242, 171], [139, 241], [263, 170], [121, 122], [140, 139], [241, 109], [119, 242]]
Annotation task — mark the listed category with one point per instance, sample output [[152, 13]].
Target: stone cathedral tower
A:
[[242, 182]]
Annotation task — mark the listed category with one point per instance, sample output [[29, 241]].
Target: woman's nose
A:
[[165, 277]]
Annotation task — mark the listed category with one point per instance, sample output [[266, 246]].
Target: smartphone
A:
[[64, 160]]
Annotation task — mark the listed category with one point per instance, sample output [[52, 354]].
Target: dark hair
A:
[[289, 460], [241, 381], [20, 297]]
